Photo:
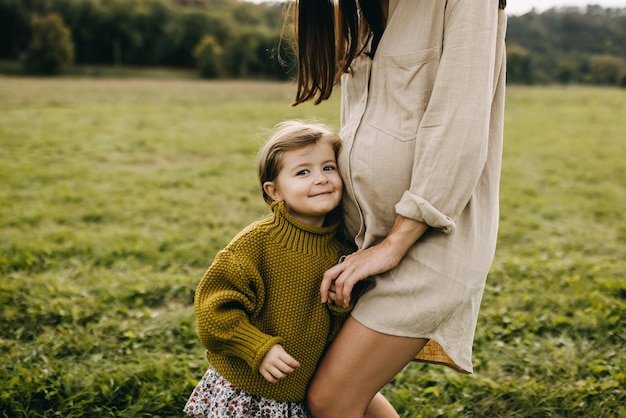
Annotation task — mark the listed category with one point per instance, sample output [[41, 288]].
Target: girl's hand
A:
[[339, 280], [277, 364]]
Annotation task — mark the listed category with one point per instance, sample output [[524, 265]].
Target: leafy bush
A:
[[519, 65], [51, 49], [607, 70], [208, 54]]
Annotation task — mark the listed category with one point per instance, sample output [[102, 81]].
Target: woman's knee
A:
[[318, 401], [329, 401]]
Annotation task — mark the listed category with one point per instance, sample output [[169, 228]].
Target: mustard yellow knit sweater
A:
[[263, 289]]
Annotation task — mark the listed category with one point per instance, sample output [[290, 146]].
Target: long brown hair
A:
[[328, 36]]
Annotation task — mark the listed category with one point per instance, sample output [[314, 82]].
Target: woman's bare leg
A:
[[357, 365]]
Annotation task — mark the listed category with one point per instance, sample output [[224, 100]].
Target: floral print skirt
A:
[[216, 397]]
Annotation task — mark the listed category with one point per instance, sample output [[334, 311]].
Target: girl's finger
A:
[[268, 376]]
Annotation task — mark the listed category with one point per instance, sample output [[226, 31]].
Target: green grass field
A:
[[116, 194]]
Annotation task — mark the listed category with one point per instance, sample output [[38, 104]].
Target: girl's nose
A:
[[321, 178]]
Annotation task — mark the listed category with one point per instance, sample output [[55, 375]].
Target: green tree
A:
[[519, 65], [91, 23], [51, 49], [193, 24], [208, 54], [145, 31], [562, 43], [565, 72], [240, 54], [14, 27], [607, 70]]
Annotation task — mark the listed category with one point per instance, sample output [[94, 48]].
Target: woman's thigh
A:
[[359, 362]]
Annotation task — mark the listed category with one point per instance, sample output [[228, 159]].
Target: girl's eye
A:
[[302, 172], [330, 168]]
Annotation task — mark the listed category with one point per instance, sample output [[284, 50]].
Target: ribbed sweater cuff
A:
[[251, 345], [341, 310]]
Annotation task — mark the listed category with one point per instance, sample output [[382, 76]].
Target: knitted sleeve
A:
[[230, 293]]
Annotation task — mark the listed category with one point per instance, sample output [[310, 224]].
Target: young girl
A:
[[257, 306]]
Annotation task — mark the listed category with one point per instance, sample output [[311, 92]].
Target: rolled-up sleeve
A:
[[453, 136]]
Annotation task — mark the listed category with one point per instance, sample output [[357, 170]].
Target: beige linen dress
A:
[[422, 125]]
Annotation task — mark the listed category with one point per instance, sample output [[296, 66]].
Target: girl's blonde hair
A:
[[288, 136]]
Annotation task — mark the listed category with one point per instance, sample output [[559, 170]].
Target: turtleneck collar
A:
[[299, 236]]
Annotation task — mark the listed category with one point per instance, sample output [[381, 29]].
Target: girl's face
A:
[[308, 183]]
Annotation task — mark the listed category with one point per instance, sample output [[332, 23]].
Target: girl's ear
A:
[[270, 188]]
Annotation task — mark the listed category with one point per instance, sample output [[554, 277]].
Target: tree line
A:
[[568, 45], [223, 38], [239, 39]]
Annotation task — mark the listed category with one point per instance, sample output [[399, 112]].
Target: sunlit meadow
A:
[[116, 194]]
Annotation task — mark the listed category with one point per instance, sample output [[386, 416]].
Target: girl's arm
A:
[[227, 296]]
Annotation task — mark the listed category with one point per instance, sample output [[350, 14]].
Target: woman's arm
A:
[[370, 261], [453, 136]]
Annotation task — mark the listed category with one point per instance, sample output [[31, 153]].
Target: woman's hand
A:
[[277, 364], [339, 280]]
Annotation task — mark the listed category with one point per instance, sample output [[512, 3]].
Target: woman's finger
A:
[[328, 281], [344, 287], [345, 281]]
